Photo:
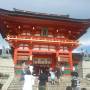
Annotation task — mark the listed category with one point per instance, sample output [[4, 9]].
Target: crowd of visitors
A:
[[46, 75]]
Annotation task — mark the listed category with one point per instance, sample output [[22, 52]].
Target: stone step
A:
[[17, 85]]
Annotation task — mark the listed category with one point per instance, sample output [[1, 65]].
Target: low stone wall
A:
[[8, 82], [7, 68], [84, 68]]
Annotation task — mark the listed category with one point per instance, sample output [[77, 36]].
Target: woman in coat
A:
[[28, 81]]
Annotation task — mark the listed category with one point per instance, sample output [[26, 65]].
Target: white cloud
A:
[[85, 39]]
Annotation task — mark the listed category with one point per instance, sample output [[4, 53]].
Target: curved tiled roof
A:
[[17, 12], [26, 17]]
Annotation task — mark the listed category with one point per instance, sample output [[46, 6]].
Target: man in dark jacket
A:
[[75, 82], [42, 80]]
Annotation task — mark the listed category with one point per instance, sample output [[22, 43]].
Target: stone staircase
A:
[[63, 83], [3, 79], [7, 70], [85, 84], [16, 84], [66, 81]]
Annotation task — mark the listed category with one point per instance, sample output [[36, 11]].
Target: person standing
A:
[[28, 81], [62, 69], [52, 76], [58, 73], [23, 71], [31, 68], [42, 80], [75, 82]]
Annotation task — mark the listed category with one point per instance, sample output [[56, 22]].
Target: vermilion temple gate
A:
[[41, 39]]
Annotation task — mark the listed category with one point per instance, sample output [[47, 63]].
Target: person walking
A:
[[42, 80]]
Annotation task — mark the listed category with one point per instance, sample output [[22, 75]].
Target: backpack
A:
[[73, 83]]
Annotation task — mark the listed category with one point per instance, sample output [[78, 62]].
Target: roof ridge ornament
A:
[[15, 9], [48, 14]]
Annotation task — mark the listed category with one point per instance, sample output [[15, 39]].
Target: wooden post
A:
[[30, 55], [57, 55], [70, 59], [15, 55]]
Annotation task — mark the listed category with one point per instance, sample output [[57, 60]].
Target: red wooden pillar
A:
[[57, 57], [30, 56], [52, 65], [70, 59], [15, 55]]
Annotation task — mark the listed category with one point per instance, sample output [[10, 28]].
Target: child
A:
[[52, 76]]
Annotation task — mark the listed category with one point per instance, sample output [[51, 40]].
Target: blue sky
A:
[[75, 8]]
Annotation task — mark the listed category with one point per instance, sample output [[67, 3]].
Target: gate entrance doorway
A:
[[41, 64]]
